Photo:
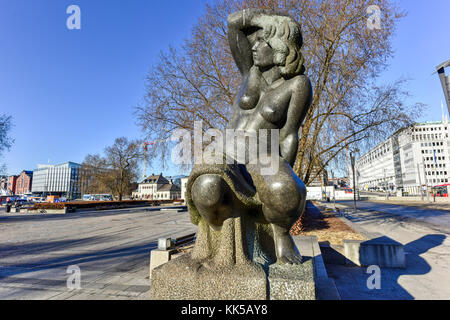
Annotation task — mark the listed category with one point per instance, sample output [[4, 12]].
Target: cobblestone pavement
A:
[[111, 248]]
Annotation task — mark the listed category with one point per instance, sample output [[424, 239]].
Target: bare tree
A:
[[116, 171], [343, 59], [122, 160], [5, 140], [93, 175]]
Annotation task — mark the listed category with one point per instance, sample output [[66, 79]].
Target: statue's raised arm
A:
[[244, 23], [239, 43], [240, 25]]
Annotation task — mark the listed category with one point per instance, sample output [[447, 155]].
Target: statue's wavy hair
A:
[[284, 35]]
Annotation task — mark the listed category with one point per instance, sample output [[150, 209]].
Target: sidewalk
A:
[[440, 204], [427, 249]]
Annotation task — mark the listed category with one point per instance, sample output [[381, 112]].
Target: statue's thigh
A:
[[208, 191]]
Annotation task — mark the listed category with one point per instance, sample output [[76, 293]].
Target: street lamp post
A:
[[426, 183], [386, 185], [445, 81], [70, 189], [435, 175], [334, 194], [420, 181], [352, 158]]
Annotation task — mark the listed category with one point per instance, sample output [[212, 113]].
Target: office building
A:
[[409, 160], [61, 180]]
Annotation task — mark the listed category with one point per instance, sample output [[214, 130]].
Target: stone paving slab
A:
[[111, 248]]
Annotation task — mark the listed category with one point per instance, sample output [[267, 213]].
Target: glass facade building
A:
[[62, 180]]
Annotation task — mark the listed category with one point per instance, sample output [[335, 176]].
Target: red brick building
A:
[[23, 184], [12, 182]]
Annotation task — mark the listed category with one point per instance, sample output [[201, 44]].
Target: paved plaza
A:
[[430, 214], [111, 248]]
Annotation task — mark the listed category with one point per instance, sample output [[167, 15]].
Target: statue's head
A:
[[278, 39]]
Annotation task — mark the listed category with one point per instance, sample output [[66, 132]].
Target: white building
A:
[[376, 168], [183, 188], [156, 187], [412, 158], [3, 185], [62, 180]]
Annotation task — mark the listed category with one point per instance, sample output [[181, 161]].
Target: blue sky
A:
[[72, 92]]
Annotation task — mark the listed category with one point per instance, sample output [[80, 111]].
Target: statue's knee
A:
[[208, 190], [288, 198]]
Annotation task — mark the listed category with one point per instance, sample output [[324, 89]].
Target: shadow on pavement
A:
[[11, 217], [26, 248], [115, 260], [351, 281]]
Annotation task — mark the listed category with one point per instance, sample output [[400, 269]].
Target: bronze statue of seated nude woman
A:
[[275, 94]]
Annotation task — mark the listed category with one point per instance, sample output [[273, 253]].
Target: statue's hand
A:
[[250, 18]]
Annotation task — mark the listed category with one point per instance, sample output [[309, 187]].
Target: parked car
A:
[[19, 203]]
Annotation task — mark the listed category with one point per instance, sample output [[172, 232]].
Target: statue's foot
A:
[[285, 248]]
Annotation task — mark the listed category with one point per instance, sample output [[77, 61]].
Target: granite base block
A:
[[185, 279], [292, 282]]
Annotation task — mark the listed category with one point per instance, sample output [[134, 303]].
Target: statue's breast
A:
[[250, 93], [248, 101], [274, 106]]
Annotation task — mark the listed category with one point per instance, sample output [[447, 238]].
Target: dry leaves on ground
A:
[[322, 223]]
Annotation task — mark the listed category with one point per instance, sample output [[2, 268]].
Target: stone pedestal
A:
[[235, 263], [292, 282], [185, 279]]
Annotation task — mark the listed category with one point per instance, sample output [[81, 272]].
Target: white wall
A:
[[315, 193], [183, 188]]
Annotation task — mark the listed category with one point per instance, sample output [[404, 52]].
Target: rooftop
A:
[[429, 123], [65, 164], [169, 187], [158, 179]]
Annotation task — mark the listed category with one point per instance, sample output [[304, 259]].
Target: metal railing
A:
[[185, 240], [169, 243]]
